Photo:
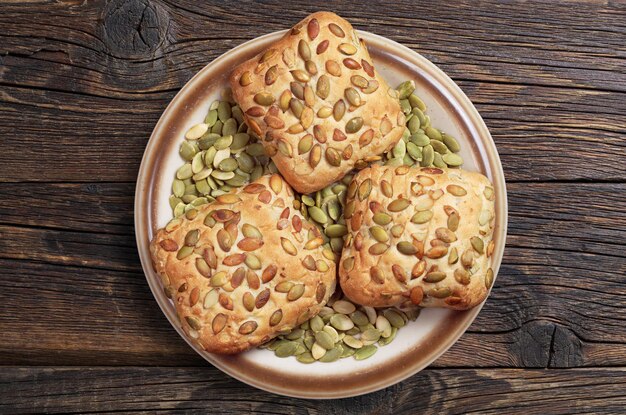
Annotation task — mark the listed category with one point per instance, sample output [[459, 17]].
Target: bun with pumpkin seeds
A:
[[418, 236], [245, 268], [317, 102]]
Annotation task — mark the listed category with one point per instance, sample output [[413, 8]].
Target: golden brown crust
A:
[[318, 65], [252, 260], [429, 244]]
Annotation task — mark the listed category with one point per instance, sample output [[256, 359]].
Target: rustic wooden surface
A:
[[82, 85]]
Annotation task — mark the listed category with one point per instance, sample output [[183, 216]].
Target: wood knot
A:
[[134, 28]]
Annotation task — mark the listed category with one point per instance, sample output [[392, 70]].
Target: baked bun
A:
[[418, 236], [317, 102], [245, 268]]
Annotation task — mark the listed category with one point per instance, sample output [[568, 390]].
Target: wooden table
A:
[[82, 85]]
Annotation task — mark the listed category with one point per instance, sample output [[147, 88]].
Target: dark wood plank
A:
[[558, 301], [551, 89], [202, 390], [86, 207]]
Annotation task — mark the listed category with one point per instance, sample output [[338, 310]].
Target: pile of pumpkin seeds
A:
[[222, 153], [342, 329], [421, 144]]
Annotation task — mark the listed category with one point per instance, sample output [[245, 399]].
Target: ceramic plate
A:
[[420, 342]]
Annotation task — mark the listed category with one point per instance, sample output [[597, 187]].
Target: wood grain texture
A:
[[82, 85], [202, 390]]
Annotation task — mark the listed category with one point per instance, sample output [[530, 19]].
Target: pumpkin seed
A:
[[453, 256], [484, 217], [306, 358], [489, 193], [477, 244], [187, 151], [405, 106], [336, 30], [419, 139], [379, 234], [299, 75], [184, 172], [489, 278], [352, 342], [248, 327], [211, 118], [413, 124], [433, 133], [339, 109], [354, 125], [439, 147], [365, 352], [178, 188], [452, 159], [341, 322], [394, 317], [317, 351], [336, 230], [210, 299], [434, 276], [406, 248], [438, 161], [223, 111], [385, 341], [414, 151], [398, 205], [332, 355], [405, 89], [378, 248], [416, 102], [303, 50], [451, 143], [399, 150], [196, 131], [428, 156], [423, 216], [217, 127], [441, 292], [333, 157], [223, 142], [370, 335], [331, 331], [295, 292], [381, 218], [284, 286], [252, 261], [383, 325], [184, 252], [286, 349], [323, 339], [276, 317], [453, 221], [295, 334], [359, 318], [343, 307], [264, 98], [316, 323], [218, 279], [288, 246]]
